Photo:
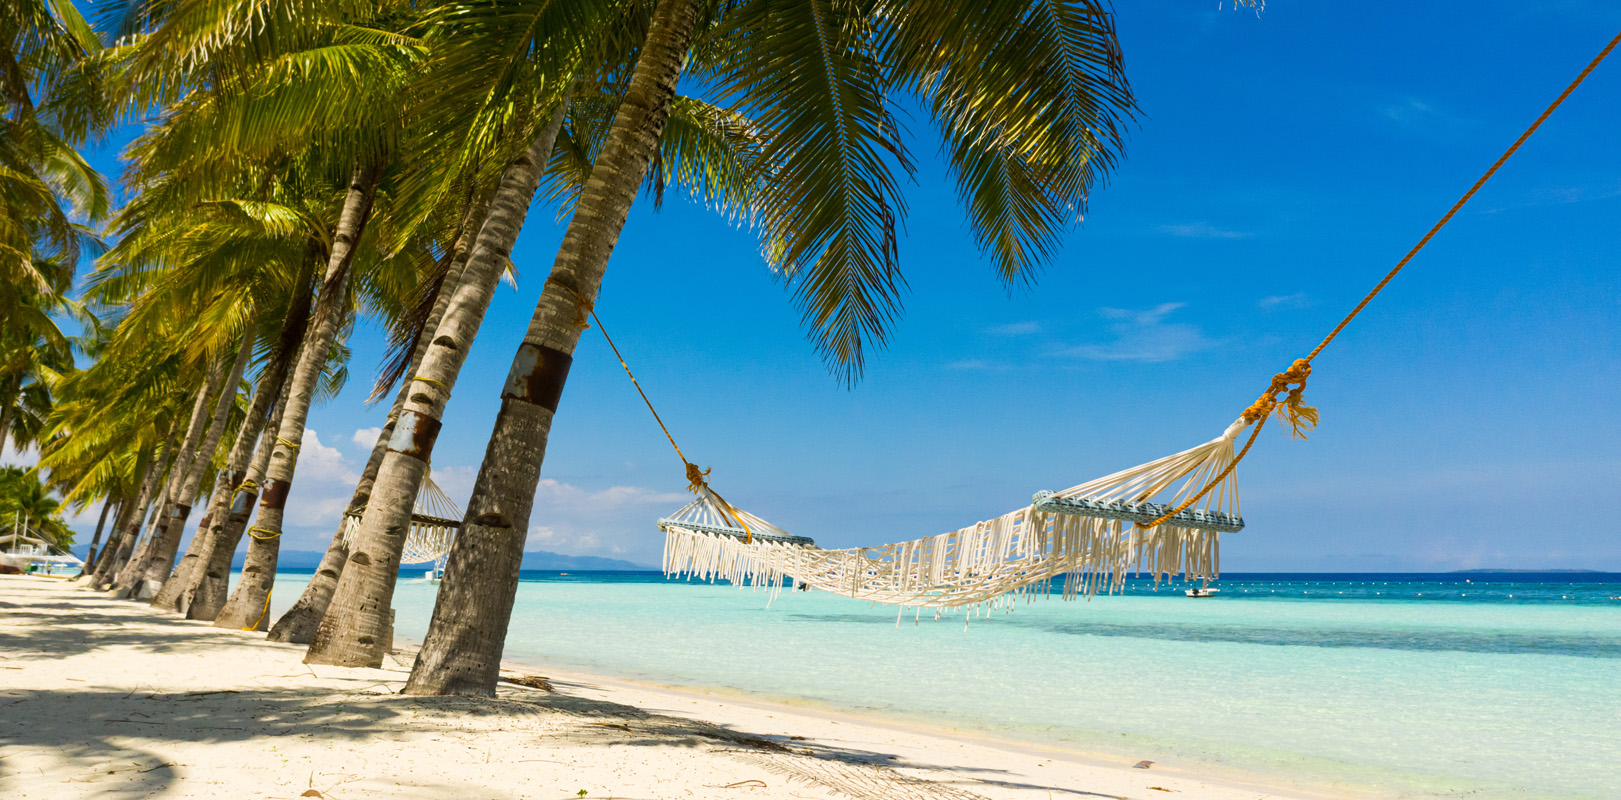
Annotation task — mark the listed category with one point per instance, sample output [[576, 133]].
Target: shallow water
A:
[[1494, 686]]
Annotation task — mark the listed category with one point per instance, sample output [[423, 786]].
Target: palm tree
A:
[[478, 50], [47, 190], [27, 505], [1029, 98], [241, 82]]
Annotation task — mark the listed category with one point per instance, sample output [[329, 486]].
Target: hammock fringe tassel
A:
[[1092, 535]]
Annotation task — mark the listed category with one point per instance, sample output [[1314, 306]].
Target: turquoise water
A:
[[1500, 686]]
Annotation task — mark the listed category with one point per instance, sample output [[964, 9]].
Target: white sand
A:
[[105, 698]]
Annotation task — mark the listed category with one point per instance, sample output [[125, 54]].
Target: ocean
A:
[[1477, 685]]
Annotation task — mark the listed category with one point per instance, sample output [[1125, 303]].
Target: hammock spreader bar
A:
[[1144, 513], [435, 518]]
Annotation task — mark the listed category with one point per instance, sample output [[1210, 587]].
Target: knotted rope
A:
[[697, 477], [582, 304], [1291, 409]]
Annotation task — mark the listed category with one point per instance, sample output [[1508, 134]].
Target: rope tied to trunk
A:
[[262, 614], [443, 387], [287, 444], [254, 532], [583, 306]]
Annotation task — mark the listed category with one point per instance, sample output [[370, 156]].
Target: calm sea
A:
[[1497, 685]]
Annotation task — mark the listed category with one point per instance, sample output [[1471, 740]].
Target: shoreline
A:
[[105, 696], [807, 714]]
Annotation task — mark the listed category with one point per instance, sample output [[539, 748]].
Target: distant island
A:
[[1528, 571]]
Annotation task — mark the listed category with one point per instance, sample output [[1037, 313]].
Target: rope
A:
[[1304, 417], [444, 387], [249, 486], [582, 304], [697, 478], [262, 614], [273, 534], [287, 444]]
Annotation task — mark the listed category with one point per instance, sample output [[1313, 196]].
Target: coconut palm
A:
[[1029, 99], [47, 190], [489, 60], [27, 506], [234, 70]]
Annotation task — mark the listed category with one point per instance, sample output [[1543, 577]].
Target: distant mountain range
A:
[[537, 560]]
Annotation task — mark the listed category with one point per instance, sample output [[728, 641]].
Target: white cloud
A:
[[367, 437], [1202, 230], [1015, 329], [319, 462], [1296, 300], [456, 482], [615, 522], [322, 486], [559, 496], [1408, 110], [1144, 336], [315, 511]]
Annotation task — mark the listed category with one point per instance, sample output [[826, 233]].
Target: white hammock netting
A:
[[1093, 534], [434, 520]]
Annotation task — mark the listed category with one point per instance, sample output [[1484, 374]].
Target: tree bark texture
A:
[[162, 565], [132, 575], [95, 541], [136, 512], [355, 630], [329, 311], [209, 602], [205, 583], [178, 591], [8, 401], [298, 625], [462, 651]]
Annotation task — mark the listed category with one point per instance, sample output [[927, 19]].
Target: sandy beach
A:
[[106, 698]]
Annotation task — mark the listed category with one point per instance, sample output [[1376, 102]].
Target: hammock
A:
[[434, 520], [1092, 534]]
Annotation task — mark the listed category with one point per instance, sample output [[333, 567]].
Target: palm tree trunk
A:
[[144, 464], [132, 523], [157, 573], [210, 601], [133, 577], [101, 523], [297, 626], [462, 651], [203, 591], [8, 402], [252, 596], [355, 629]]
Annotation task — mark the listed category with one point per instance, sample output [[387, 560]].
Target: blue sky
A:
[[1282, 163]]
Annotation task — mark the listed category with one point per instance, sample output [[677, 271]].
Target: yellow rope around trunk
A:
[[262, 614], [1293, 380]]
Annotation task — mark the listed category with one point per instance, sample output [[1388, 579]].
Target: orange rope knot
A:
[[583, 306], [1292, 409], [696, 478]]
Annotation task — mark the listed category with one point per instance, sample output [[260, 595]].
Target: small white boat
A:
[[1201, 592]]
